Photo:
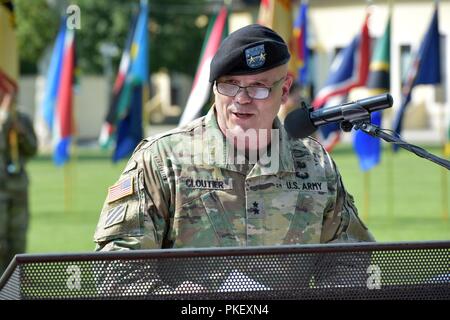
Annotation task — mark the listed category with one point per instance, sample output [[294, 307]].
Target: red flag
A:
[[201, 86], [63, 123]]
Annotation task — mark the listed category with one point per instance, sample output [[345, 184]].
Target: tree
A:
[[37, 26], [175, 39]]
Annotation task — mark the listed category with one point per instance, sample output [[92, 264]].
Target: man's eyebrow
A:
[[264, 81]]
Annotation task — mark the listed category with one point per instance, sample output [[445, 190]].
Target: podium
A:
[[415, 270]]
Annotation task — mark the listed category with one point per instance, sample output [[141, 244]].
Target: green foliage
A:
[[175, 40], [37, 26], [416, 197], [101, 21]]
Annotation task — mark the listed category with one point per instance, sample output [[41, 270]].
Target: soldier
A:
[[233, 177], [14, 212]]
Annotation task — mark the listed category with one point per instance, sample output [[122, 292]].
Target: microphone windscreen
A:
[[298, 123]]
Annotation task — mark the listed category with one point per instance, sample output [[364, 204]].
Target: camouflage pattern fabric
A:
[[167, 198], [14, 213]]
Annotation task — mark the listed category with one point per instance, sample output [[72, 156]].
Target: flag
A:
[[201, 87], [57, 105], [63, 116], [349, 69], [109, 126], [277, 15], [52, 81], [368, 148], [9, 58], [425, 69], [129, 112], [447, 145], [300, 44]]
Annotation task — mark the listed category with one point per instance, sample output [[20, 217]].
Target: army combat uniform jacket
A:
[[167, 198], [14, 211], [27, 144]]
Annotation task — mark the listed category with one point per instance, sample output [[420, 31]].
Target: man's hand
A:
[[6, 101]]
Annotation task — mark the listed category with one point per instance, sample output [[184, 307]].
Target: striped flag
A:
[[121, 189], [368, 148], [300, 44], [201, 87], [349, 69], [109, 126], [129, 111], [57, 106]]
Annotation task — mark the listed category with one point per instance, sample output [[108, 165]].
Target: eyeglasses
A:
[[254, 92]]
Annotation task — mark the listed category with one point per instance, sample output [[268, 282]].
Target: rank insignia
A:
[[255, 56]]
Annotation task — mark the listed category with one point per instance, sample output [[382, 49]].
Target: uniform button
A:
[[303, 175], [301, 165]]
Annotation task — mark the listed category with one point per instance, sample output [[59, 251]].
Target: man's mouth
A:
[[242, 115]]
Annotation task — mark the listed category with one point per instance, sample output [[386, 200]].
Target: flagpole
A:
[[390, 183], [366, 195], [390, 165], [444, 182], [70, 167], [444, 172], [67, 186]]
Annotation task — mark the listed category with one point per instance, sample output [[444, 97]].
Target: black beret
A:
[[251, 49]]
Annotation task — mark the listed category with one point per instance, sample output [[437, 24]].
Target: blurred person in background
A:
[[14, 211]]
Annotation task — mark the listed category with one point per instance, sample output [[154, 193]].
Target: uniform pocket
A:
[[219, 220], [202, 223], [306, 224]]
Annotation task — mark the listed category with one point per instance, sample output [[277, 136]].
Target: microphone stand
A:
[[359, 118]]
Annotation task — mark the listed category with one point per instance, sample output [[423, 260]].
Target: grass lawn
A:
[[404, 206]]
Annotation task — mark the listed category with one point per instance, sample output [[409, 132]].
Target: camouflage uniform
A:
[[14, 189], [161, 201]]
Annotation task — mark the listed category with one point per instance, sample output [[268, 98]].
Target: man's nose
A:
[[242, 96]]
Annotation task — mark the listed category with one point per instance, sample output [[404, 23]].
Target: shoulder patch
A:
[[115, 215], [121, 189]]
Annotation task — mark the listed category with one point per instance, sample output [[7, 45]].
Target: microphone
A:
[[302, 122]]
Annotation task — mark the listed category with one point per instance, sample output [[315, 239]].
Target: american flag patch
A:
[[115, 215], [120, 190]]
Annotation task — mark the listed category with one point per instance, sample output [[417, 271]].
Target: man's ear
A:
[[286, 87]]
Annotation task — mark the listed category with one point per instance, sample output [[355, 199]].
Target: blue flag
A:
[[129, 127], [53, 77], [425, 69], [57, 105], [368, 148], [300, 44]]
